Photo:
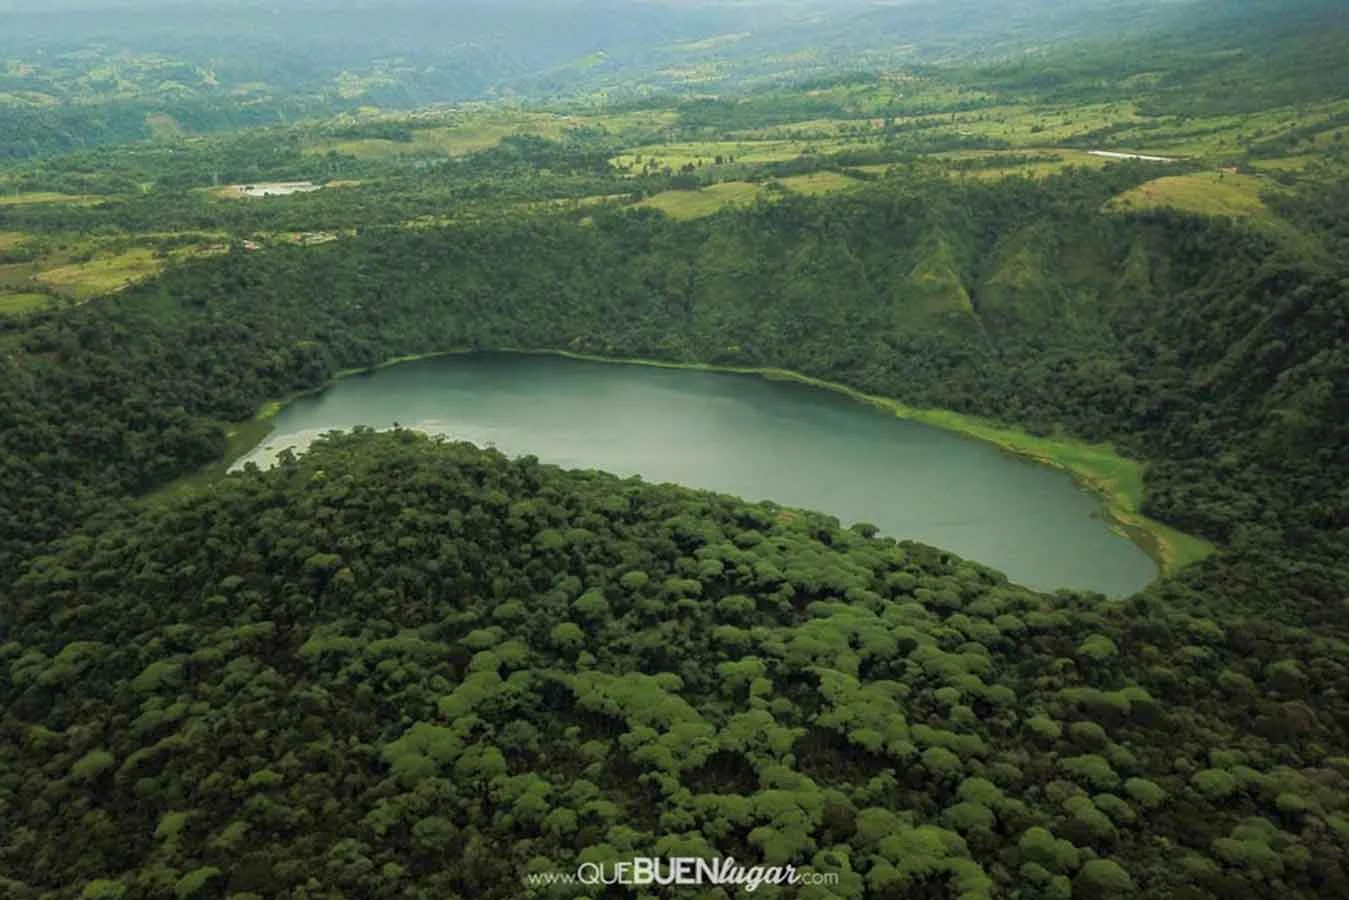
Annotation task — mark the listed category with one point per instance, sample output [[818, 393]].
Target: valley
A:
[[897, 442]]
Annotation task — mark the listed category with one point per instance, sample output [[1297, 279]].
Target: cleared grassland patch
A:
[[1211, 193], [102, 275], [705, 153], [32, 197], [11, 239], [1048, 162], [450, 140], [1031, 126], [28, 98], [1220, 138], [350, 85], [261, 192], [1284, 163], [818, 183], [704, 202], [716, 197], [15, 304], [826, 128]]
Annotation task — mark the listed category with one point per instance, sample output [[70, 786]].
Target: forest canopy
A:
[[402, 667], [398, 665]]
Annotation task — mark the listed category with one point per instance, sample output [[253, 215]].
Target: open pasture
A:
[[993, 165], [716, 197], [34, 197], [704, 154], [704, 202], [1211, 193], [102, 274], [817, 183], [459, 135], [22, 302]]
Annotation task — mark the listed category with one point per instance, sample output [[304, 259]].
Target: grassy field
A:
[[990, 167], [102, 274], [716, 197], [1212, 193], [1219, 138], [1214, 138], [1293, 164], [819, 183], [449, 140], [700, 73], [482, 130], [48, 197], [703, 154], [813, 129], [14, 304], [1024, 126], [711, 43], [80, 267], [696, 204], [990, 170]]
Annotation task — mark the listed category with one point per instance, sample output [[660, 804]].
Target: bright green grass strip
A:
[[817, 183], [1119, 481], [32, 197], [685, 205], [103, 275], [15, 304], [1210, 193]]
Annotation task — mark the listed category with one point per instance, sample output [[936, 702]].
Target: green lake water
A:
[[759, 439]]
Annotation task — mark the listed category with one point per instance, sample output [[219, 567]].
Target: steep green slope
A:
[[401, 667]]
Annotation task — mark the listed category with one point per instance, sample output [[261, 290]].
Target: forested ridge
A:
[[454, 668]]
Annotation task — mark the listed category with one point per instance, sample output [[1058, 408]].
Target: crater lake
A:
[[760, 439]]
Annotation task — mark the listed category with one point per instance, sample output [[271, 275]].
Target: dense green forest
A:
[[398, 667], [1207, 347], [401, 667]]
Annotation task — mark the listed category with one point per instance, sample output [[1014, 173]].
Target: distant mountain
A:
[[464, 49], [81, 72]]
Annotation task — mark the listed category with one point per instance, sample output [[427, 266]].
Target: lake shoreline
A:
[[1096, 468]]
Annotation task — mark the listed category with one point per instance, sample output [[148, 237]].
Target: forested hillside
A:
[[1204, 712], [1207, 348], [399, 667], [396, 667]]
